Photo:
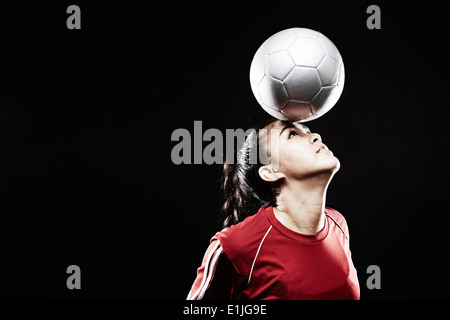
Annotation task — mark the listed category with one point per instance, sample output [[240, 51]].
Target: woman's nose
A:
[[315, 137]]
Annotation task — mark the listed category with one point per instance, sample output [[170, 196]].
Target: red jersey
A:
[[260, 258]]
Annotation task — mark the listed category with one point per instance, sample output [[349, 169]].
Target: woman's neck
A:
[[301, 205]]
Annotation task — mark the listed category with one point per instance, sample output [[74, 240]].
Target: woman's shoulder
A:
[[240, 241], [242, 231], [338, 219], [336, 215]]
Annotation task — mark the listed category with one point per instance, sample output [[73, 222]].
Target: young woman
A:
[[293, 247]]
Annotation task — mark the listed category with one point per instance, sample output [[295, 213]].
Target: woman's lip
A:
[[323, 148]]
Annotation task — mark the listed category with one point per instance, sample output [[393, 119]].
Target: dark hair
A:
[[244, 190]]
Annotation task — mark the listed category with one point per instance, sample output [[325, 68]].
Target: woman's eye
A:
[[292, 133]]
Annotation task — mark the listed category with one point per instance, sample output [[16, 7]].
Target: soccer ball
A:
[[297, 74]]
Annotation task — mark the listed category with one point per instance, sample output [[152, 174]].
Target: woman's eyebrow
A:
[[287, 127]]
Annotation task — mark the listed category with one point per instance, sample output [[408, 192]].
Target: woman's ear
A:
[[269, 174]]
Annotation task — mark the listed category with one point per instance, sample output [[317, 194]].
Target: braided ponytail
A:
[[244, 190]]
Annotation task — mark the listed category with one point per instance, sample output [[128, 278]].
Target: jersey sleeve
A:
[[214, 276]]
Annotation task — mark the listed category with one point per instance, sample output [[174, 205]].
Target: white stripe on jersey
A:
[[257, 253], [211, 272], [207, 273]]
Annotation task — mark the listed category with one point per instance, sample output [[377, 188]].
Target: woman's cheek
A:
[[294, 161]]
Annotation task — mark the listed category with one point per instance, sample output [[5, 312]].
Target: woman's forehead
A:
[[279, 124]]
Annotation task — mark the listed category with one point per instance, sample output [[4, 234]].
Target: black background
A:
[[86, 118]]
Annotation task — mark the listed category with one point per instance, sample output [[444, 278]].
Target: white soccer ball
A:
[[297, 74]]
